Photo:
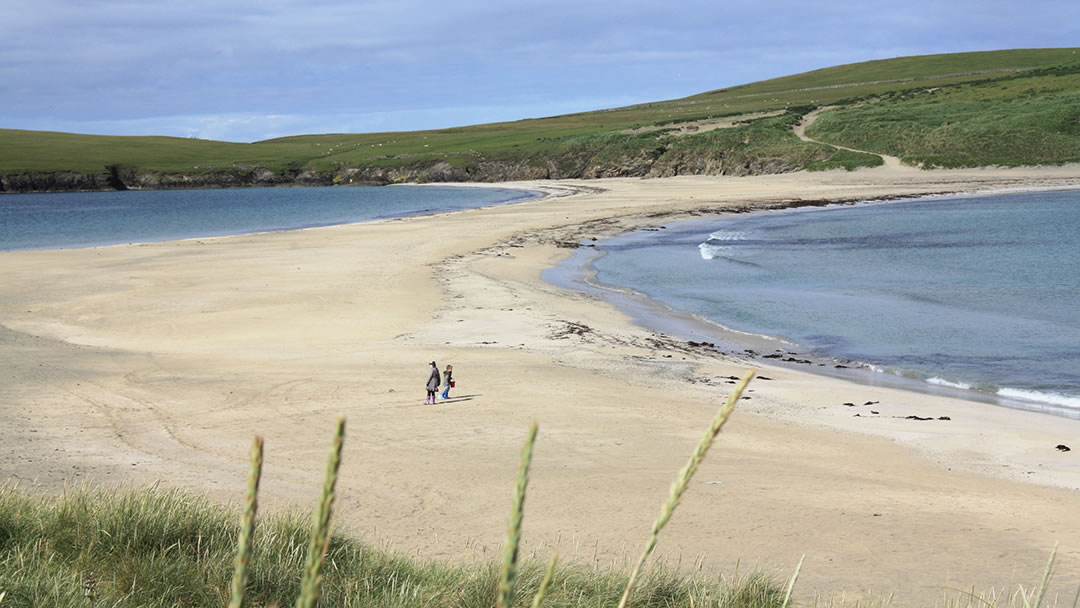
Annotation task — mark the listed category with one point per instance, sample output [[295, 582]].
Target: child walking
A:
[[448, 381]]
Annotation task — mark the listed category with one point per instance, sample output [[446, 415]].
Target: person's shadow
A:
[[456, 399]]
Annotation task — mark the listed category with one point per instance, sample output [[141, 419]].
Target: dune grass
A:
[[247, 526]]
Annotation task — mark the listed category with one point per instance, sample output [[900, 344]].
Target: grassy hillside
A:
[[965, 109], [46, 151], [1029, 119]]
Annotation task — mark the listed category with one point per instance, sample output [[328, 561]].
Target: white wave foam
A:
[[1041, 397], [710, 249], [723, 235], [949, 383]]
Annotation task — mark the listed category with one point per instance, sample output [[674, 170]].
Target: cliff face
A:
[[141, 179], [57, 181], [760, 146], [579, 165]]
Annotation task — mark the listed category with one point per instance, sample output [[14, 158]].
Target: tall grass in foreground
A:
[[157, 548], [311, 585], [513, 535], [247, 526], [153, 547]]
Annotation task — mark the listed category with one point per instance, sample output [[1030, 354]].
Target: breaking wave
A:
[[1058, 399], [949, 383], [719, 243]]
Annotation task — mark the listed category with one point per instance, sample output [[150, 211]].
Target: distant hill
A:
[[1007, 108]]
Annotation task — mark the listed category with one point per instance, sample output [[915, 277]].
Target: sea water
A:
[[975, 293], [87, 219]]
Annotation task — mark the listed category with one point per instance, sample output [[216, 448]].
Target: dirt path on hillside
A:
[[891, 162]]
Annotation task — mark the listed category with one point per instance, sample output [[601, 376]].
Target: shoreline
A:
[[133, 364], [577, 273]]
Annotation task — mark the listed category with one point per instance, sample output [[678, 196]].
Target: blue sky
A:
[[245, 71]]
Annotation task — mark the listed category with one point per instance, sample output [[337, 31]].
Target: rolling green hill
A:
[[1014, 107]]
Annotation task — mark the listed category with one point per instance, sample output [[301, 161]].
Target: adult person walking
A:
[[448, 381], [433, 383]]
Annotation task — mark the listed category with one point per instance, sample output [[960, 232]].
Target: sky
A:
[[246, 71]]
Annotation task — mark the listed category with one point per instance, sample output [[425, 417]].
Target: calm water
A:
[[87, 219], [974, 293]]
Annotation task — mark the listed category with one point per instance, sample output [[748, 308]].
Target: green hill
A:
[[1014, 107]]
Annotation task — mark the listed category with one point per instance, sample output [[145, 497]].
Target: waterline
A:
[[970, 296]]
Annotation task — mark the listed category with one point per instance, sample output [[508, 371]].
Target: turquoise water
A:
[[88, 219], [978, 293]]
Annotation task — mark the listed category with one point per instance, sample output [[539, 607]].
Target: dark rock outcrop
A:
[[576, 163], [55, 181]]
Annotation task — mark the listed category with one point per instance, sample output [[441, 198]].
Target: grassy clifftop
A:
[[1014, 107]]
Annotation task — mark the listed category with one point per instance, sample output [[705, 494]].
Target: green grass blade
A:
[[247, 525], [682, 482], [320, 535], [1046, 578], [513, 535], [791, 584], [538, 601], [1024, 597]]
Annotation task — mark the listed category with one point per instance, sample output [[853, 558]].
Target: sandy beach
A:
[[159, 362]]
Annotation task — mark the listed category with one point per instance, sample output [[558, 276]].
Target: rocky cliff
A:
[[580, 163]]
